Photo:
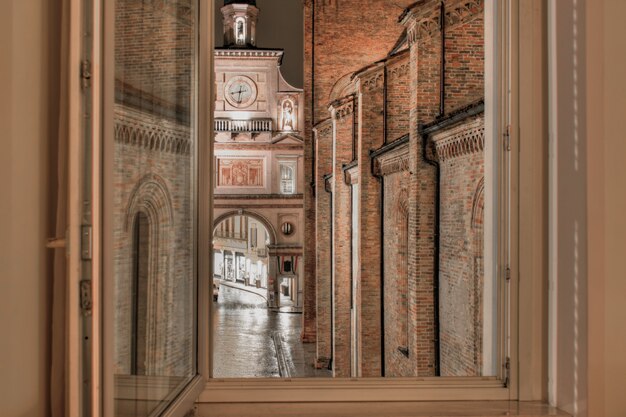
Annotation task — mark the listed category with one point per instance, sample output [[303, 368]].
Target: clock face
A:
[[240, 92]]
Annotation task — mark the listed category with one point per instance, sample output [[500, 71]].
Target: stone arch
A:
[[478, 205], [150, 194], [151, 197], [477, 234], [261, 219], [342, 87], [401, 215]]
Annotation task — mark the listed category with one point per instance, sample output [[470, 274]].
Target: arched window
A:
[[139, 310], [240, 31]]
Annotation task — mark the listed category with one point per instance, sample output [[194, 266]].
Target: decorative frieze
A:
[[463, 139], [136, 128], [248, 53], [392, 161], [423, 24], [399, 70], [340, 109], [323, 129], [373, 82]]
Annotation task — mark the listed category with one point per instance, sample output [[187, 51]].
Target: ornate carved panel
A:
[[237, 172]]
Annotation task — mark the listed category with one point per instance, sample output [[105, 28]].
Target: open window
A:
[[157, 222]]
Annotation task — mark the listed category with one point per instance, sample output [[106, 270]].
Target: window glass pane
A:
[[154, 203], [370, 184]]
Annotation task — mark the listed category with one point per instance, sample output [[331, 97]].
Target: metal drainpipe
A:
[[385, 94], [313, 94], [437, 243], [332, 298], [442, 69]]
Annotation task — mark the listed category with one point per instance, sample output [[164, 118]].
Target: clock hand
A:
[[239, 93]]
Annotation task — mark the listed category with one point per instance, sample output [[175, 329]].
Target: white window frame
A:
[[290, 164], [505, 37]]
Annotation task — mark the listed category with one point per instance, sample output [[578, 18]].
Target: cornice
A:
[[143, 130], [351, 173], [463, 139], [248, 53], [342, 108], [392, 159], [422, 20], [323, 129]]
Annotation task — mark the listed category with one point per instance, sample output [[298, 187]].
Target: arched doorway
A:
[[240, 248]]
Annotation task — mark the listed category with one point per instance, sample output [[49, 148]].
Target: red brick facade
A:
[[417, 147], [337, 41]]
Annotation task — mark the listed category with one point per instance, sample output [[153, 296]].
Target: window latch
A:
[[507, 372], [86, 243], [85, 73], [507, 138], [85, 297]]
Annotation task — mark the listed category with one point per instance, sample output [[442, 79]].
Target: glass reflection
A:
[[154, 202]]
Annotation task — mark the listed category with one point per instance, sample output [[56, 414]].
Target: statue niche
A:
[[288, 118]]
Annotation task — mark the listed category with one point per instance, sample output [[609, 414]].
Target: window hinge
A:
[[85, 73], [85, 296], [507, 273], [507, 372], [507, 138], [86, 242]]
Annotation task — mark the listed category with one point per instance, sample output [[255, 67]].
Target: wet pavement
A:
[[251, 341]]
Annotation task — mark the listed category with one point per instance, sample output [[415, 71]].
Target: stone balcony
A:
[[237, 126]]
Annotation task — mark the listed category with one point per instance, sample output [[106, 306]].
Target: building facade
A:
[[398, 173], [259, 165]]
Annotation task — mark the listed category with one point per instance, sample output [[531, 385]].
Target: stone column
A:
[[273, 296]]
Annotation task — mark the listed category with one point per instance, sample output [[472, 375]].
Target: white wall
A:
[[607, 208], [28, 78], [591, 325]]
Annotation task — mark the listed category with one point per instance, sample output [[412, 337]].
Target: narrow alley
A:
[[252, 341]]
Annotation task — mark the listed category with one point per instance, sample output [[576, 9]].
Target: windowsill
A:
[[294, 196], [372, 409]]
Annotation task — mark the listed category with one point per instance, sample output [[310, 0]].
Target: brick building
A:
[[393, 259], [259, 166]]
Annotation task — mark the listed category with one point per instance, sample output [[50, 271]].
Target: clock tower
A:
[[259, 167], [240, 19]]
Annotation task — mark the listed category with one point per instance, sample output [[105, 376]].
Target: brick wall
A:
[[343, 123], [398, 96], [463, 85], [396, 229], [395, 96], [422, 188], [338, 41], [154, 180], [371, 136], [152, 163], [153, 72], [461, 248], [323, 158]]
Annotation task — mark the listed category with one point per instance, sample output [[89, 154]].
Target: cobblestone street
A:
[[251, 341]]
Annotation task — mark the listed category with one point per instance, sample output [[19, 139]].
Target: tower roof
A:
[[250, 2]]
